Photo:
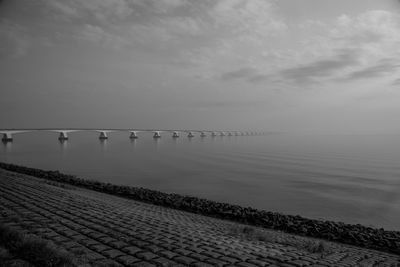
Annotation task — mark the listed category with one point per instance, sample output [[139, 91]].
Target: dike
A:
[[357, 235]]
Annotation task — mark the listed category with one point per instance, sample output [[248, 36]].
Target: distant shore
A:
[[358, 235]]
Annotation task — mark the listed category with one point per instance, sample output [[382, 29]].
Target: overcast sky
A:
[[287, 65]]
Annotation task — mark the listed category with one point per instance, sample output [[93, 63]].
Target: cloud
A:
[[98, 35], [14, 40], [104, 11], [302, 74], [184, 25], [66, 9], [111, 11], [346, 49], [311, 72], [248, 74], [243, 73], [379, 70], [397, 81], [255, 16], [376, 23], [165, 6], [122, 23], [376, 32], [209, 37]]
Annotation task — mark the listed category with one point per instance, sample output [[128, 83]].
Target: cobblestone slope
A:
[[105, 230]]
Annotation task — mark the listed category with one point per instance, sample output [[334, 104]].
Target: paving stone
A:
[[201, 264], [153, 248], [70, 244], [108, 263], [216, 262], [139, 243], [88, 242], [259, 262], [93, 256], [132, 250], [164, 262], [211, 254], [106, 239], [146, 255], [143, 264], [184, 260], [198, 257], [182, 251], [119, 244], [78, 237], [299, 263], [168, 254], [245, 264], [195, 249], [127, 260], [113, 253], [100, 248]]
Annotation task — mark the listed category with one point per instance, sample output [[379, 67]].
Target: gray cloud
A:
[[302, 74], [397, 81], [228, 104], [310, 73], [385, 67], [258, 78], [251, 75], [321, 68], [243, 73], [111, 11], [14, 41]]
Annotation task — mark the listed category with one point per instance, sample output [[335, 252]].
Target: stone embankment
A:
[[105, 230], [357, 235]]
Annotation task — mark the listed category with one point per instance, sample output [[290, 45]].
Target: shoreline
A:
[[357, 235]]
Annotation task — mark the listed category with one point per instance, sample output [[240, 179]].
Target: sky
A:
[[301, 66]]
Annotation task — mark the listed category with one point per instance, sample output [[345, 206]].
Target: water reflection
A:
[[156, 142], [133, 142], [103, 144], [7, 145], [174, 141], [63, 146]]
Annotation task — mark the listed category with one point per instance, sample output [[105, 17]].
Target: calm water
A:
[[355, 179]]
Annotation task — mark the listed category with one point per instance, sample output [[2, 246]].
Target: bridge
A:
[[103, 133]]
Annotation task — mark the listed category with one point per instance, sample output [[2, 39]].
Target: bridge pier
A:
[[230, 134], [63, 136], [175, 134], [103, 136], [213, 134], [157, 135], [190, 135], [221, 134], [133, 135], [7, 137], [203, 134]]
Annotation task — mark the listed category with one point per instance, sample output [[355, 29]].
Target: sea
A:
[[348, 178]]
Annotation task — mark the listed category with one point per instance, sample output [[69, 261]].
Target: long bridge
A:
[[63, 134]]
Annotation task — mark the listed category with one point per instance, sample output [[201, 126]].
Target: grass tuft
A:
[[254, 234], [31, 248]]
